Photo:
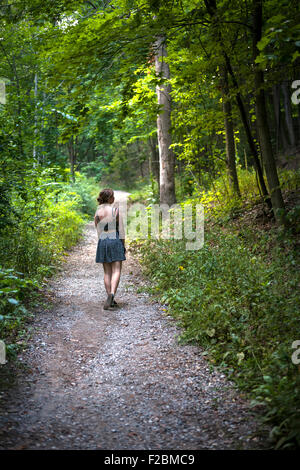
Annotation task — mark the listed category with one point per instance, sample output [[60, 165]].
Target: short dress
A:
[[110, 248]]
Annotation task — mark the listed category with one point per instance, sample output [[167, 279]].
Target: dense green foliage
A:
[[35, 232], [82, 86]]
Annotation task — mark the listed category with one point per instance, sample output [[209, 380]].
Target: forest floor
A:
[[116, 379]]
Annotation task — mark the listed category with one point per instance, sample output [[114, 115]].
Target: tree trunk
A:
[[280, 135], [154, 158], [249, 136], [288, 113], [166, 155], [35, 160], [262, 121], [72, 157], [229, 134]]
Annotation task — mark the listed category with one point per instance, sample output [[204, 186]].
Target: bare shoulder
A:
[[100, 211], [103, 211]]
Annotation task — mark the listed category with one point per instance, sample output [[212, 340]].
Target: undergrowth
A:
[[37, 228], [238, 298]]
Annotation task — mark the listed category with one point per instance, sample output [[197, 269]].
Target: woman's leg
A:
[[116, 267], [107, 277]]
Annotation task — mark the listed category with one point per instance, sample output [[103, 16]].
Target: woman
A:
[[111, 246]]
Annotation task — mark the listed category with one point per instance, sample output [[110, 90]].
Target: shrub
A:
[[44, 219], [87, 190], [14, 289]]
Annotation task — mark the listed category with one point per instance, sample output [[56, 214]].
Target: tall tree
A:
[[229, 133], [262, 120], [249, 135], [166, 155]]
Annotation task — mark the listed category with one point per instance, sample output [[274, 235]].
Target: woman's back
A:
[[107, 220]]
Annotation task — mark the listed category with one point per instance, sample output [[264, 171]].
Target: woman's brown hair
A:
[[105, 195]]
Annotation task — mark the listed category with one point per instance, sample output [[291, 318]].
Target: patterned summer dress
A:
[[110, 248]]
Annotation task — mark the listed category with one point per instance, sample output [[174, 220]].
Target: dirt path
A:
[[96, 379]]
